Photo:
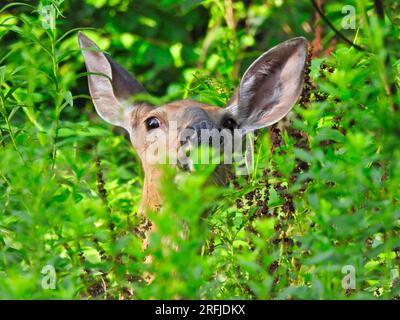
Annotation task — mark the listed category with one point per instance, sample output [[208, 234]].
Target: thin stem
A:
[[392, 85], [53, 39], [54, 148], [230, 20], [381, 63], [4, 177]]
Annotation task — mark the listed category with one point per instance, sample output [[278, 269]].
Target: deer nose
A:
[[202, 125], [193, 132]]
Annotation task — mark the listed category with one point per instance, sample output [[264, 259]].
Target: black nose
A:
[[202, 125], [193, 132]]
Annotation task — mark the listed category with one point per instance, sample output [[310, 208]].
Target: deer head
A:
[[267, 92]]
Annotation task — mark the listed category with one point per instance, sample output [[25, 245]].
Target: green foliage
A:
[[324, 193]]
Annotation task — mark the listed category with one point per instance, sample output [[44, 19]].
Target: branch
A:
[[337, 32]]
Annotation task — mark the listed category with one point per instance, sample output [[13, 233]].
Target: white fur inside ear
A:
[[111, 109], [287, 94], [247, 90], [101, 89], [248, 87]]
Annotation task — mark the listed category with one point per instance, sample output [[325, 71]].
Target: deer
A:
[[266, 93]]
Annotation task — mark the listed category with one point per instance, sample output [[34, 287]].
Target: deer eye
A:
[[152, 123], [229, 123]]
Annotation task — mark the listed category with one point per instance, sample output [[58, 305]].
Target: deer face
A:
[[170, 129], [267, 91]]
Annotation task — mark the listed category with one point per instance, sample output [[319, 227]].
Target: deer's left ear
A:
[[270, 86]]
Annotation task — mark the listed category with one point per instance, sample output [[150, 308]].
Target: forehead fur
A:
[[173, 108], [187, 110], [179, 104]]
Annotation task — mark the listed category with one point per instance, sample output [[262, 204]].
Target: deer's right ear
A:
[[270, 86], [111, 86]]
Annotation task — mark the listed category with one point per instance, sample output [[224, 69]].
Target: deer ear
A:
[[111, 86], [270, 86]]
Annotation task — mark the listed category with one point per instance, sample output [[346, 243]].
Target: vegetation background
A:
[[321, 204]]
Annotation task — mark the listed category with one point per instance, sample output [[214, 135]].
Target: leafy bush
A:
[[323, 197]]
